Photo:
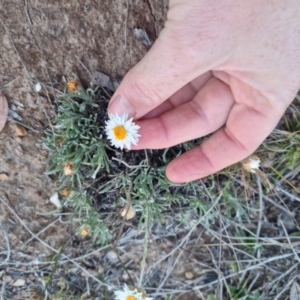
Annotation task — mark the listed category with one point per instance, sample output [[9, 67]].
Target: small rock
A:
[[3, 110], [91, 271], [13, 237], [189, 275], [19, 282], [103, 80], [55, 200], [6, 278], [38, 87], [14, 115], [13, 107], [287, 221], [112, 256], [125, 276], [18, 104], [36, 261], [142, 35], [20, 130], [3, 177], [19, 150]]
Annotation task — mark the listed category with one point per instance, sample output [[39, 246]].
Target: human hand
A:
[[228, 67]]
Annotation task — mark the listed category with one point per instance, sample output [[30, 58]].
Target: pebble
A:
[[20, 130], [19, 150], [92, 272], [19, 282], [6, 278], [189, 275], [112, 256], [55, 200], [14, 115], [3, 177], [38, 87]]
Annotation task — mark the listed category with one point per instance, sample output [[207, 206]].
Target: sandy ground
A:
[[42, 41]]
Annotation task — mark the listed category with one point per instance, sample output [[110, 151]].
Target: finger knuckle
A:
[[146, 94]]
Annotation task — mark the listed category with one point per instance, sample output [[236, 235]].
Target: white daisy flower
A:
[[251, 164], [131, 293], [122, 132]]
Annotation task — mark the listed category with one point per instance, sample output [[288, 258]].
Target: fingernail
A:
[[120, 105]]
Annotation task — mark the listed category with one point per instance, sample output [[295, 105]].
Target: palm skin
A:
[[219, 67]]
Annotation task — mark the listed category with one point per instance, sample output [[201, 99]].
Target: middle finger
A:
[[207, 112], [185, 94]]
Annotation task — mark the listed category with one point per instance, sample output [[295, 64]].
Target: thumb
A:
[[162, 72]]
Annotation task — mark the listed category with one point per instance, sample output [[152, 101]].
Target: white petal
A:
[[132, 136]]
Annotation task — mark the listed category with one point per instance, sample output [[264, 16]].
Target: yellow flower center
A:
[[84, 232], [73, 85], [68, 168], [66, 192], [120, 134], [131, 298]]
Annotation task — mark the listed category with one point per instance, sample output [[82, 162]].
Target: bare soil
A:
[[42, 41]]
